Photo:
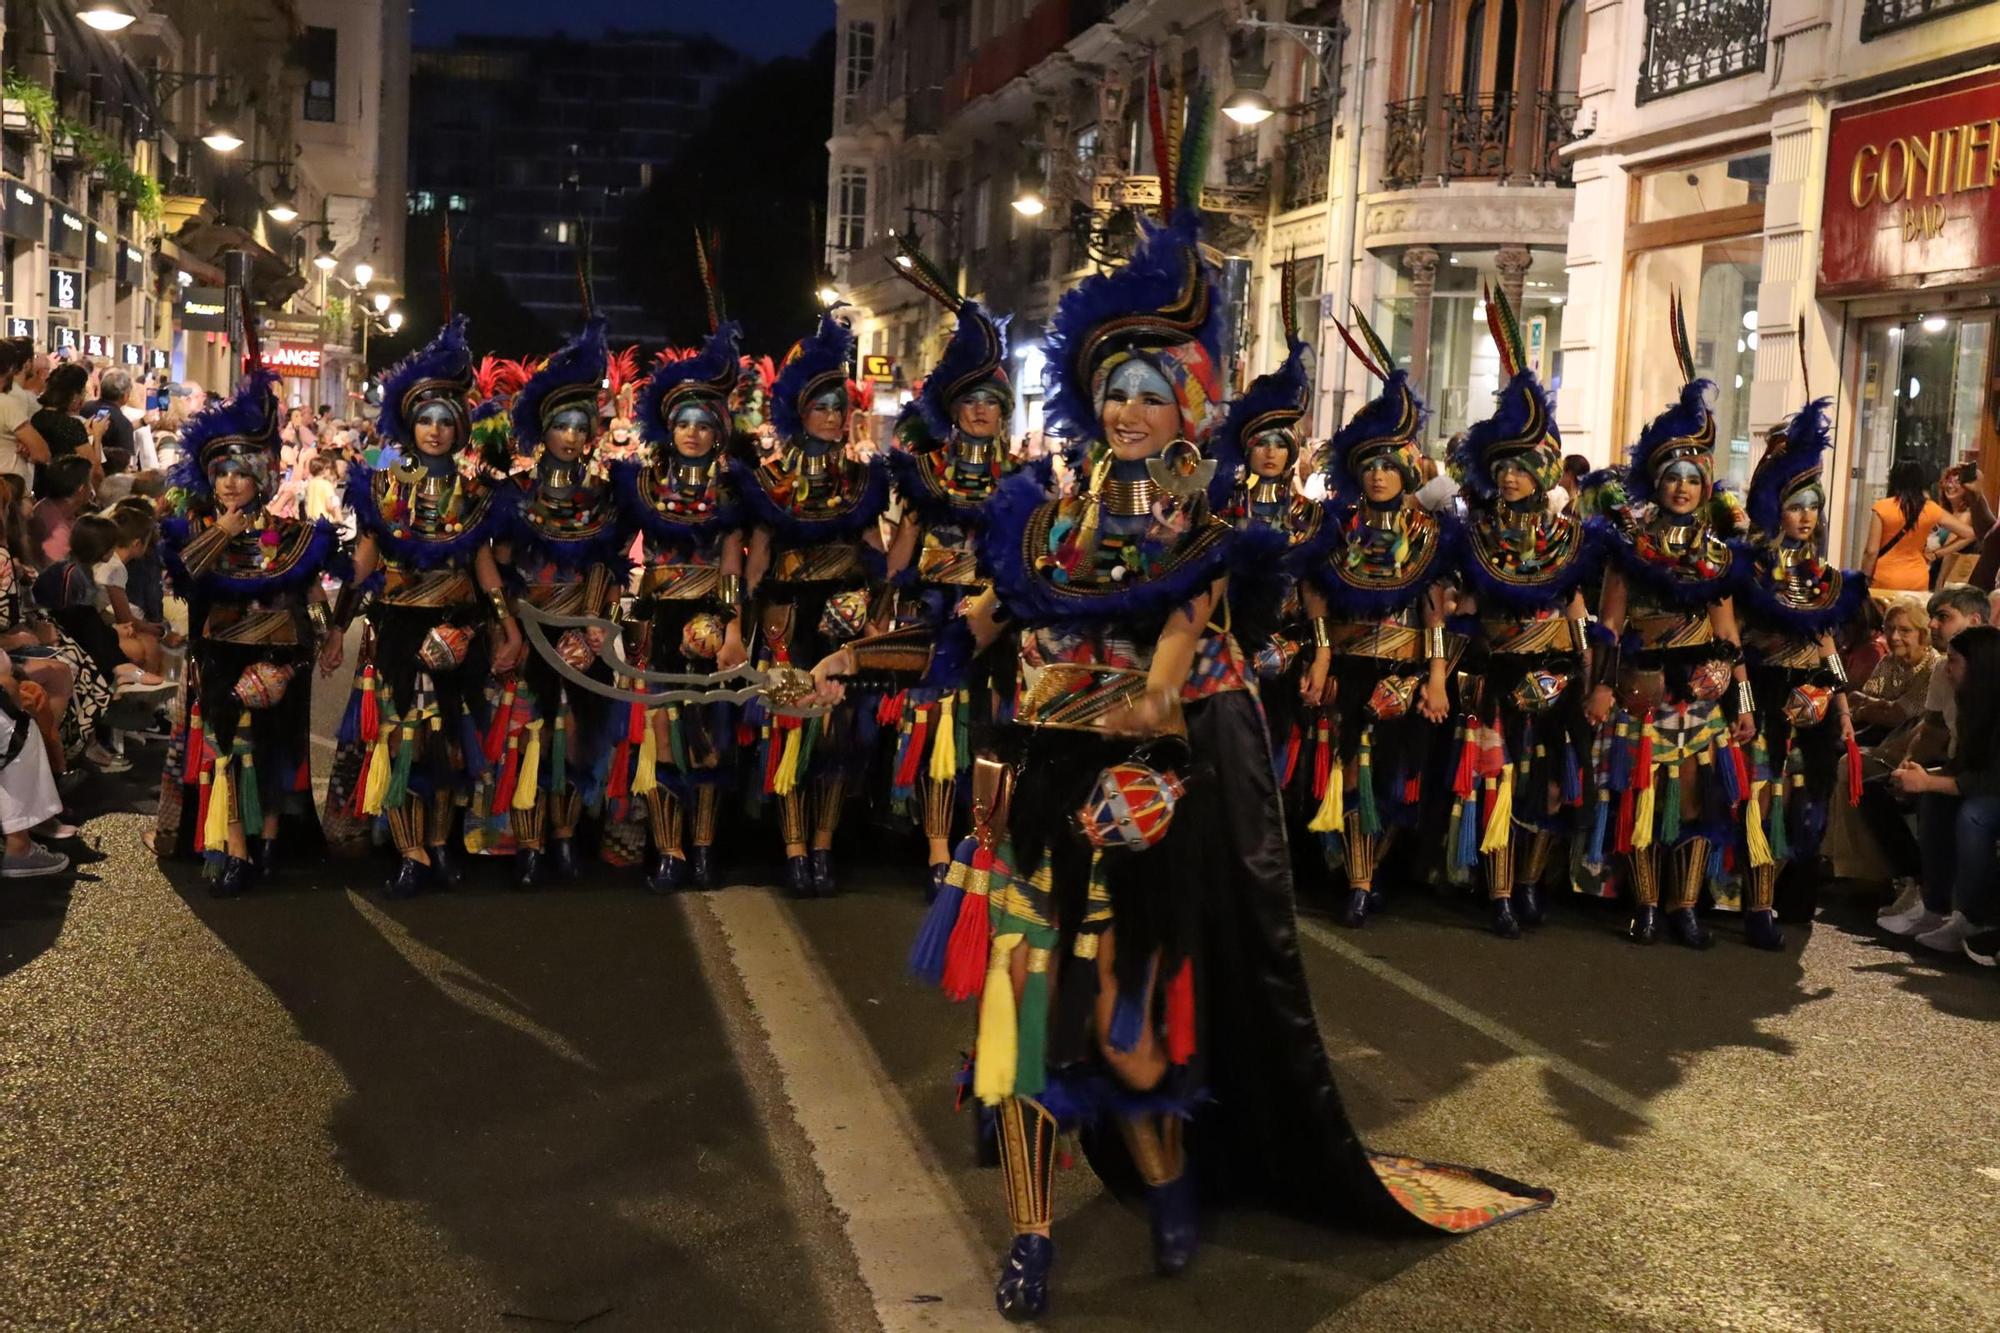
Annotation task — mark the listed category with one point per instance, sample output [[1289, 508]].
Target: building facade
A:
[[1824, 168], [210, 149], [528, 142], [1414, 154]]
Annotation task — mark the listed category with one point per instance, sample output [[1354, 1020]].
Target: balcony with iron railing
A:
[[1304, 155], [1504, 137], [1692, 43], [1879, 17]]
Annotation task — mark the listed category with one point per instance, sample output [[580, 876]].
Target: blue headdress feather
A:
[[809, 367], [1522, 407], [1688, 419], [1163, 294], [444, 364], [1390, 422], [1789, 458], [576, 370], [1274, 400], [248, 417], [976, 354], [710, 373]]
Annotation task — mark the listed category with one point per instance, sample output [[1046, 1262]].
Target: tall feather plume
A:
[[1288, 296], [1196, 137], [583, 268], [1683, 349], [709, 291], [1163, 157], [1376, 346], [1805, 373], [1366, 355], [1506, 333], [926, 277]]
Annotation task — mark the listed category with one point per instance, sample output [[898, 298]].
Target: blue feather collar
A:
[[630, 486], [861, 512], [410, 548]]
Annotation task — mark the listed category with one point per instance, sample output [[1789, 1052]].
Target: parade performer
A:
[[1522, 743], [238, 774], [1123, 910], [1668, 669], [952, 453], [547, 744], [411, 744], [1277, 531], [815, 543], [1793, 601], [1378, 599], [689, 608]]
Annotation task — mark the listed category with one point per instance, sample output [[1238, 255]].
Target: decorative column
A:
[[1513, 262], [1421, 263]]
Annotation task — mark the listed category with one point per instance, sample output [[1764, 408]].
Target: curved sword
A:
[[782, 688]]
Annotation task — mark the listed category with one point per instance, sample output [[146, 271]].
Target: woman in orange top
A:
[[1900, 528]]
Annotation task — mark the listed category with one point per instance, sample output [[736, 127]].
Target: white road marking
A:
[[910, 1234], [1728, 1164]]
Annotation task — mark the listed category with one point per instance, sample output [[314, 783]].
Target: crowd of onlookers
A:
[[89, 656]]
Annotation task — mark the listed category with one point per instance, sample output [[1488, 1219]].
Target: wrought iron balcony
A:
[[1305, 157], [1690, 43], [1884, 16], [1500, 138]]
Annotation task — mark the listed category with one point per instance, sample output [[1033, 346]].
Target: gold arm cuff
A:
[[1322, 637], [1433, 643]]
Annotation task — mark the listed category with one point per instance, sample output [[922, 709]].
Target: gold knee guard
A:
[[1500, 870], [406, 827], [940, 795], [1690, 868], [707, 797], [527, 826], [1763, 888], [1155, 1144], [828, 795], [1645, 865], [1027, 1161], [663, 812], [1533, 862], [792, 817], [566, 812], [1364, 850], [442, 804]]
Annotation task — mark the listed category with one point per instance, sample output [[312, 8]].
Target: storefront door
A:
[[1923, 386]]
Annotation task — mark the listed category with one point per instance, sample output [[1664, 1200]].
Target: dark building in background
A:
[[525, 139]]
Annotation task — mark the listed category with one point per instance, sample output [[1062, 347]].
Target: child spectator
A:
[[322, 495], [117, 483], [145, 572], [1959, 803], [132, 535], [65, 494], [67, 590]]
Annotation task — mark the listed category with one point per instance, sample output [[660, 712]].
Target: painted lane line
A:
[[919, 1252], [1806, 1200]]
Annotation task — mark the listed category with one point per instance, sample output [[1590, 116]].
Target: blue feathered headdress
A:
[[975, 356], [1794, 457], [1387, 425], [1273, 401], [1164, 297], [707, 377], [1522, 429], [439, 371], [243, 426], [1685, 432], [813, 366], [574, 374]]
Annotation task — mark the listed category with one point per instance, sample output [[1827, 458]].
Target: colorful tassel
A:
[[1180, 1014], [1031, 1065], [527, 782], [998, 1050]]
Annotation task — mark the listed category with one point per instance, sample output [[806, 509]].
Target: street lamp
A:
[[283, 207], [221, 133], [1249, 106], [364, 273], [382, 300], [107, 16], [395, 320], [828, 294], [1247, 71], [323, 260]]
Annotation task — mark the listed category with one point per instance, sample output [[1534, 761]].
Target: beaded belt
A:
[[1662, 632], [817, 564], [431, 588], [227, 625], [1552, 634], [946, 564], [679, 583]]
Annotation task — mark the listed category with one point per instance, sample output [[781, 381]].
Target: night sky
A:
[[759, 28]]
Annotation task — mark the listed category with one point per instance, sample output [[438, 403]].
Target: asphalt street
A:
[[593, 1108]]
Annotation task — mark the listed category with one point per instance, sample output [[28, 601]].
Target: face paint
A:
[[1136, 377], [1683, 472]]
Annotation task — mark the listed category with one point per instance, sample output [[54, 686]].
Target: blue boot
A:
[[1022, 1293], [822, 872], [666, 874], [1760, 930], [1686, 929], [701, 866], [1505, 924], [1176, 1226], [798, 877], [408, 881], [1645, 927], [527, 866], [1355, 914], [1528, 903]]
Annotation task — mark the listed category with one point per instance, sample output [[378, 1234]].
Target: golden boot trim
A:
[[1690, 869], [1645, 877], [706, 802], [1027, 1134], [792, 818], [1763, 888], [1499, 871], [565, 812], [940, 796], [527, 827], [663, 812]]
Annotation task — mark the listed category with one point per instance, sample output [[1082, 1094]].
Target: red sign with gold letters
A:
[[1913, 189]]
